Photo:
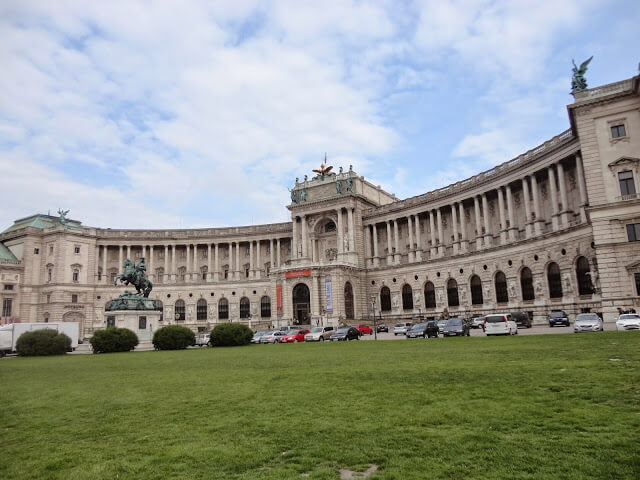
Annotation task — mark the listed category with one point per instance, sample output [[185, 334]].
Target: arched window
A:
[[502, 296], [476, 291], [329, 227], [429, 295], [526, 284], [159, 275], [159, 307], [385, 299], [555, 282], [348, 301], [201, 309], [407, 297], [245, 307], [265, 307], [76, 275], [179, 310], [223, 309], [585, 287], [452, 293], [203, 271]]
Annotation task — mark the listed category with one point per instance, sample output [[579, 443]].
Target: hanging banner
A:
[[328, 294], [279, 299]]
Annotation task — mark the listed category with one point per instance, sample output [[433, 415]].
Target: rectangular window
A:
[[8, 287], [74, 298], [183, 254], [6, 307], [50, 249], [161, 255], [637, 277], [226, 274], [618, 131], [627, 187], [205, 254], [633, 232], [36, 251], [48, 298], [76, 249]]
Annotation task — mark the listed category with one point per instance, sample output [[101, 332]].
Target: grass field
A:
[[535, 407]]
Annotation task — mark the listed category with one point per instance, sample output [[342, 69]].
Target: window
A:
[[245, 308], [205, 253], [246, 272], [6, 307], [429, 295], [201, 309], [526, 284], [452, 293], [407, 297], [226, 273], [76, 249], [385, 299], [203, 272], [627, 187], [223, 309], [476, 291], [501, 288], [330, 227], [633, 232], [160, 254], [183, 254], [36, 251], [618, 131], [637, 279], [74, 298], [555, 283], [159, 275], [583, 274], [8, 287], [179, 309], [265, 307], [49, 274], [50, 249], [76, 275], [48, 298], [182, 273]]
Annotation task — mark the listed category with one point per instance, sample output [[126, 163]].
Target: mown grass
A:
[[534, 407]]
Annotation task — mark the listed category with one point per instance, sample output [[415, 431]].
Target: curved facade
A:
[[555, 228]]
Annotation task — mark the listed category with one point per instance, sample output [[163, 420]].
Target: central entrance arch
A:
[[301, 304]]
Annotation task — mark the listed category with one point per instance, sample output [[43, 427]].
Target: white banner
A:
[[327, 291]]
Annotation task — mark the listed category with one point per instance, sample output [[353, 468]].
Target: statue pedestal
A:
[[141, 322]]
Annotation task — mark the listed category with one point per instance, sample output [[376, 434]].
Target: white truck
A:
[[9, 334]]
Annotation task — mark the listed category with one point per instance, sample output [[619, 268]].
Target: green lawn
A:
[[549, 406]]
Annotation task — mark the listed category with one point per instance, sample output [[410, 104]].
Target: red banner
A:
[[279, 299], [298, 273]]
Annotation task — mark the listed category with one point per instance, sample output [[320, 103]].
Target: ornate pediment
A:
[[633, 266], [624, 161]]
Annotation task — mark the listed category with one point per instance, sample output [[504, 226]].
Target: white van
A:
[[499, 324]]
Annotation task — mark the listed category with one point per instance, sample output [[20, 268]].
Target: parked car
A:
[[441, 324], [423, 329], [628, 321], [295, 336], [522, 319], [202, 339], [588, 322], [345, 334], [318, 334], [476, 322], [499, 324], [558, 317], [272, 337], [401, 328], [382, 328], [258, 335], [456, 327], [365, 330]]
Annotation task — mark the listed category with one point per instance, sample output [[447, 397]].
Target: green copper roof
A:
[[5, 253], [39, 221]]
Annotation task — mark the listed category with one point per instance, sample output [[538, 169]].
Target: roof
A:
[[5, 253], [39, 221]]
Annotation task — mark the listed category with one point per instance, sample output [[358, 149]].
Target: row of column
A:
[[484, 238], [194, 269], [306, 246]]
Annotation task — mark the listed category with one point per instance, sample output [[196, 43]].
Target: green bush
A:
[[173, 337], [113, 339], [231, 334], [43, 342]]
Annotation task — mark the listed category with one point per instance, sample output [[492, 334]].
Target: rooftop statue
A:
[[135, 275], [63, 215], [322, 171], [578, 82]]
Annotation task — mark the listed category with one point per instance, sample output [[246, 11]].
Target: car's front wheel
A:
[[295, 340]]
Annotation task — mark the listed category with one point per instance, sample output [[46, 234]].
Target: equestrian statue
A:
[[135, 275]]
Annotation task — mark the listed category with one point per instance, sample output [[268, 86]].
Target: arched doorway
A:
[[348, 301], [301, 304]]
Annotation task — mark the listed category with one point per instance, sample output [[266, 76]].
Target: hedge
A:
[[231, 334], [173, 337], [113, 339], [43, 342]]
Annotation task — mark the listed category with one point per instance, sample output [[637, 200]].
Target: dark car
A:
[[382, 328], [345, 333], [456, 327], [522, 319], [424, 330], [558, 317]]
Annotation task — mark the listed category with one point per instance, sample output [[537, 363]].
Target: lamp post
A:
[[375, 327]]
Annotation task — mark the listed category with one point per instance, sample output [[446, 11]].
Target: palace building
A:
[[556, 228]]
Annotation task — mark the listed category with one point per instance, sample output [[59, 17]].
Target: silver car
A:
[[318, 334], [401, 328], [272, 337], [588, 322], [628, 321], [258, 335]]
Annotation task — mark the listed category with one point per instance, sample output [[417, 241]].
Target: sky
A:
[[192, 114]]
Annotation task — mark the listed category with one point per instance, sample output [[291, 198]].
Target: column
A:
[[432, 228], [166, 264], [216, 263], [232, 270], [187, 265], [513, 229], [258, 260], [278, 252], [554, 198], [128, 251], [454, 221], [503, 221], [305, 240], [209, 272], [367, 245], [294, 239], [271, 255], [418, 241], [314, 251], [581, 187], [173, 263], [440, 232], [351, 230], [151, 263], [476, 208], [564, 214], [238, 271], [376, 255], [527, 207], [196, 269], [389, 243], [464, 240], [105, 251], [120, 260], [537, 213], [412, 253], [488, 237], [252, 266], [340, 242], [396, 242]]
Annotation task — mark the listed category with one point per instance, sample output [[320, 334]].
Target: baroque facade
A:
[[557, 228]]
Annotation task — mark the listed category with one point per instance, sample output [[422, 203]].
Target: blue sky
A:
[[161, 114]]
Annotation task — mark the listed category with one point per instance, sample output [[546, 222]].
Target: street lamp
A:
[[375, 327]]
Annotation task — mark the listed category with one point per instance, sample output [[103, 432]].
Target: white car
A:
[[401, 328], [499, 324], [318, 334], [588, 322], [628, 321]]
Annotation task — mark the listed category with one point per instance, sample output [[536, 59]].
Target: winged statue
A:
[[322, 171], [578, 82]]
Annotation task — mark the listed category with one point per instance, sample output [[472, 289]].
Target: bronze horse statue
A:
[[135, 275]]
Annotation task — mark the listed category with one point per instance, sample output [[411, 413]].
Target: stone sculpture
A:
[[135, 275], [578, 82], [338, 187], [63, 216], [349, 184]]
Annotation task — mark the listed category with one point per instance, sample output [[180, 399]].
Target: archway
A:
[[301, 304], [348, 301]]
